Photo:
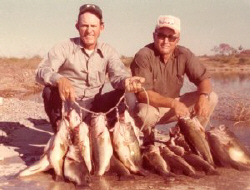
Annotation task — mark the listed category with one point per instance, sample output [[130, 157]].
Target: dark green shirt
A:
[[167, 78]]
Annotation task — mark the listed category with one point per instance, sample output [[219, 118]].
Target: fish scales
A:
[[176, 163], [126, 146], [102, 147], [153, 160], [195, 136]]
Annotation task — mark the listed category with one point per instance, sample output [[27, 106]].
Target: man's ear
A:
[[177, 41], [154, 35], [77, 26], [102, 26]]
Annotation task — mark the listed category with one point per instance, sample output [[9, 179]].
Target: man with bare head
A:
[[75, 70], [163, 64]]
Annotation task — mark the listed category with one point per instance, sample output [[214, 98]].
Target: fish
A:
[[129, 120], [116, 166], [153, 160], [101, 144], [178, 150], [199, 163], [194, 160], [41, 165], [85, 147], [177, 163], [56, 149], [178, 138], [195, 136], [62, 142], [226, 148], [75, 169], [126, 147]]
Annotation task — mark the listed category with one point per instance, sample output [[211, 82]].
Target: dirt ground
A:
[[24, 131]]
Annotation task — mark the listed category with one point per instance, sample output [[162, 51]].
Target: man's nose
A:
[[89, 29], [166, 40]]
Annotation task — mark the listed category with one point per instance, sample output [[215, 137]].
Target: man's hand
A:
[[180, 109], [201, 108], [66, 90], [134, 84]]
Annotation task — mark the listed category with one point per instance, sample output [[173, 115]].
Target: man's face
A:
[[165, 40], [89, 27]]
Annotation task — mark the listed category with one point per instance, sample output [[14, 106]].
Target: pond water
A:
[[234, 98]]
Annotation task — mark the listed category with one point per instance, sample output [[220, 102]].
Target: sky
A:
[[32, 27]]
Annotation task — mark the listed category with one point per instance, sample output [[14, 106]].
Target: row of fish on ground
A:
[[77, 150]]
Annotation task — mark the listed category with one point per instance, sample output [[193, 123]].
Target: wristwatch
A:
[[207, 95]]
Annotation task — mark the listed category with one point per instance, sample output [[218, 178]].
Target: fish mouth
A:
[[67, 117]]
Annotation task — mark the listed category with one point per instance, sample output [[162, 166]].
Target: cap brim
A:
[[168, 26]]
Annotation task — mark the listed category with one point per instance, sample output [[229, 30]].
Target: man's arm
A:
[[116, 70], [47, 72], [205, 86], [157, 100]]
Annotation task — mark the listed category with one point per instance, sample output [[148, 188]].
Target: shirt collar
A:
[[177, 51], [97, 49]]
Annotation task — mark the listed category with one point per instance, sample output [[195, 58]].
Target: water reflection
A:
[[231, 83]]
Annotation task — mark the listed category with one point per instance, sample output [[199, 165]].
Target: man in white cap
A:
[[163, 64], [75, 70]]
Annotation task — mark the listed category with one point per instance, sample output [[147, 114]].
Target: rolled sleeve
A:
[[141, 67], [195, 70], [116, 70]]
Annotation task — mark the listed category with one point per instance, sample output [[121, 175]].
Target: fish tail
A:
[[41, 165]]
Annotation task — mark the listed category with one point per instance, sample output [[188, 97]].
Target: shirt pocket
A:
[[96, 78]]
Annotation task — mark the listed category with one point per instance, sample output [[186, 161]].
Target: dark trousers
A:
[[102, 102]]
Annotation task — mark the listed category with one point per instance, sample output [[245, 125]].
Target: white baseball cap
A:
[[169, 21]]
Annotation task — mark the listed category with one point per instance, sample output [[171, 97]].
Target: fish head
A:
[[99, 119], [63, 124], [153, 148], [222, 128], [74, 119], [99, 123], [174, 131]]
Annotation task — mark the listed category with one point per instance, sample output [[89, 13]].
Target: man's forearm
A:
[[205, 86], [46, 76], [155, 99]]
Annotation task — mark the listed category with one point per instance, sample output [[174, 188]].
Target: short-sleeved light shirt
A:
[[87, 73], [167, 78]]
